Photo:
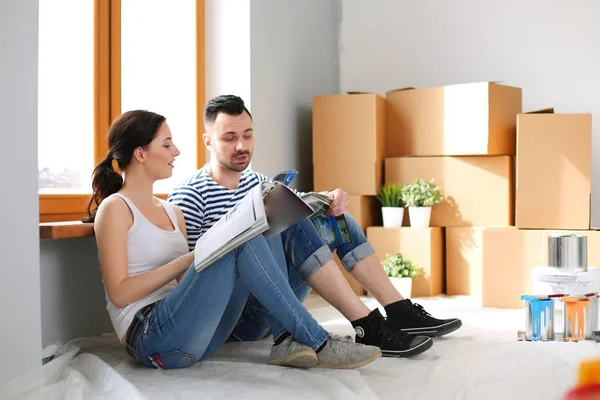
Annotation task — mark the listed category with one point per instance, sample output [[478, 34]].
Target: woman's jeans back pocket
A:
[[172, 360]]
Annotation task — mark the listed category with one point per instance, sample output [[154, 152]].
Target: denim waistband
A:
[[134, 329]]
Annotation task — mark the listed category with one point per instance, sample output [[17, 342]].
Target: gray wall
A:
[[277, 55], [547, 47], [294, 56], [20, 330], [72, 293]]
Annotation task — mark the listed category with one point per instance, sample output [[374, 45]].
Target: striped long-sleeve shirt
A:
[[203, 201]]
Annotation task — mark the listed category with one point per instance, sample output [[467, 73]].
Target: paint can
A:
[[580, 316], [539, 318], [568, 252]]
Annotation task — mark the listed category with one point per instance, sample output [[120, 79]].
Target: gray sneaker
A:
[[291, 353], [346, 355]]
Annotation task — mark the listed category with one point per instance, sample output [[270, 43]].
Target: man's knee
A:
[[305, 250], [359, 247]]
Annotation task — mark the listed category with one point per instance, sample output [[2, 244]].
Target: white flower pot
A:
[[403, 286], [392, 216], [419, 217]]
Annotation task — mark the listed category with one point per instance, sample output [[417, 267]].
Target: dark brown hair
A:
[[131, 130], [227, 104]]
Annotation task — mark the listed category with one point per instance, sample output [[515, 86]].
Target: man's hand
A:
[[339, 202]]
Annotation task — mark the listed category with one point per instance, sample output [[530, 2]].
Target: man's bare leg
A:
[[369, 273], [329, 282]]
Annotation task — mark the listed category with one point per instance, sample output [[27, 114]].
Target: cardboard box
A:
[[366, 210], [464, 261], [423, 246], [553, 171], [348, 142], [478, 191], [509, 256], [464, 119]]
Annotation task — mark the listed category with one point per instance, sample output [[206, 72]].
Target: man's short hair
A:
[[227, 104]]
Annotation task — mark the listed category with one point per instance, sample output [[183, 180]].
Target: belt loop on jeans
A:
[[135, 327]]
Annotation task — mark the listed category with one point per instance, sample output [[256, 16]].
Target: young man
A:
[[211, 191]]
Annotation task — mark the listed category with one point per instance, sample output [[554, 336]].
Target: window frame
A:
[[107, 102]]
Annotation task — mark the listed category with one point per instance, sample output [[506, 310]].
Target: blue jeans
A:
[[256, 322], [359, 248], [195, 319]]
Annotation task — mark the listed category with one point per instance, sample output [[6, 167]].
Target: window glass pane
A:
[[66, 96], [158, 71]]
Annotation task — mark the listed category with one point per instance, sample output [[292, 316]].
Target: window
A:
[[98, 58], [66, 96], [158, 71]]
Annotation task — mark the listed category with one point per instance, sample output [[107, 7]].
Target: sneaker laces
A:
[[346, 338], [421, 309], [336, 345]]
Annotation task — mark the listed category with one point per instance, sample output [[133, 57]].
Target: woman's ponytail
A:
[[133, 129], [105, 181]]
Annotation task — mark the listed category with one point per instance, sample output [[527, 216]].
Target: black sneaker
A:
[[395, 343], [375, 331], [413, 319]]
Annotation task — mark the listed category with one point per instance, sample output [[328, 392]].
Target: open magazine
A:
[[268, 209], [333, 230]]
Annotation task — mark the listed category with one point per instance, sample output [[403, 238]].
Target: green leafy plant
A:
[[421, 194], [399, 267], [390, 195]]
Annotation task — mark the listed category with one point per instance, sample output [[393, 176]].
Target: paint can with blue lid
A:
[[539, 318]]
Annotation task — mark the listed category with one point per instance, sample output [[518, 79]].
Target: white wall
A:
[[20, 326], [227, 48], [547, 47], [276, 55]]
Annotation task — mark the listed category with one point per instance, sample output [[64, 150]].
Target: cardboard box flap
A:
[[447, 85], [541, 111], [402, 89], [360, 92]]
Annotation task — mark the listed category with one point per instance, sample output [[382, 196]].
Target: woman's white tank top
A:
[[148, 247]]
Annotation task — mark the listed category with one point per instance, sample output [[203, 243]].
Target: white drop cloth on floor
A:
[[482, 360]]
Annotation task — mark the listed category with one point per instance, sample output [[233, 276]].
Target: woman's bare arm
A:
[[183, 229], [111, 224]]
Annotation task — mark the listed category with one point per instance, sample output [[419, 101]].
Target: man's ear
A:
[[207, 140]]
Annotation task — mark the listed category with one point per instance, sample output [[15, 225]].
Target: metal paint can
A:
[[568, 251], [539, 318], [580, 316]]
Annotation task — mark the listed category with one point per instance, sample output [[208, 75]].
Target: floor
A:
[[482, 360]]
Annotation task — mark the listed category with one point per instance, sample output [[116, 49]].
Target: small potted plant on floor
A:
[[401, 272], [419, 197], [392, 207]]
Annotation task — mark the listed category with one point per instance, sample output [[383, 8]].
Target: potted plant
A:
[[419, 197], [401, 272], [392, 207]]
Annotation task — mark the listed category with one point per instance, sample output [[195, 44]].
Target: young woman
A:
[[167, 314]]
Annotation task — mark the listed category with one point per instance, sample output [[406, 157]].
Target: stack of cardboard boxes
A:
[[471, 139], [348, 153]]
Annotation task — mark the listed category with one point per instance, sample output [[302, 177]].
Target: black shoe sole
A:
[[423, 347], [434, 331]]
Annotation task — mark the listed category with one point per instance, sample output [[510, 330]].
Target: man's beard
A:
[[236, 167]]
